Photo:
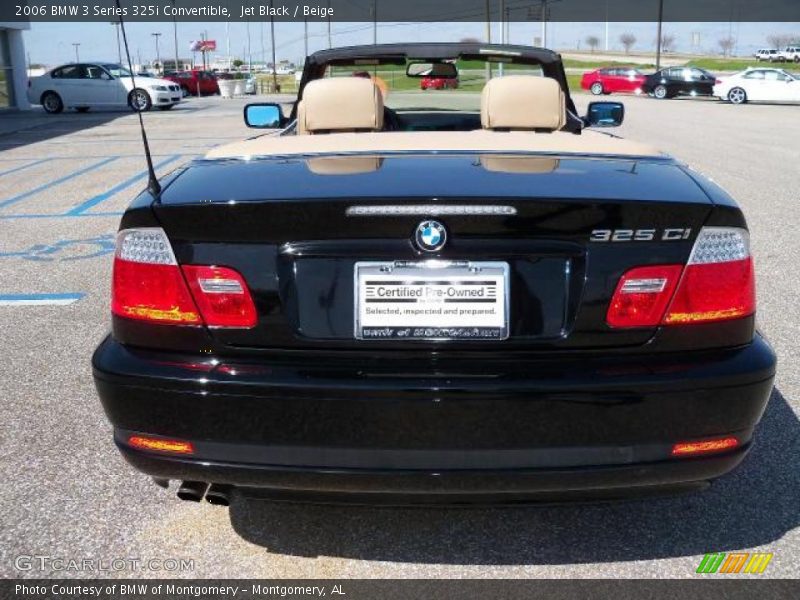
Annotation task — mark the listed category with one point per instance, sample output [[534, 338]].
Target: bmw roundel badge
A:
[[430, 236]]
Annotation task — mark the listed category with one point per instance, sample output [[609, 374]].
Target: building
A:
[[13, 74]]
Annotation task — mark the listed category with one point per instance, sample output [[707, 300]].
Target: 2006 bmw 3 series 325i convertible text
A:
[[412, 304]]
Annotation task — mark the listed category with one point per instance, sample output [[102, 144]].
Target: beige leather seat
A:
[[523, 102], [339, 104]]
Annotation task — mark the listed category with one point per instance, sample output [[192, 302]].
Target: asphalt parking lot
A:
[[64, 181]]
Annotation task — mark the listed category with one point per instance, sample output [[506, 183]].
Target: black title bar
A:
[[404, 10], [744, 588]]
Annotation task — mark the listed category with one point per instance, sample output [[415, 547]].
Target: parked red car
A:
[[613, 79], [195, 82], [438, 83]]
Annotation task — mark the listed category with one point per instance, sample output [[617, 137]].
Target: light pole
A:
[[374, 22], [158, 53], [544, 23], [263, 51], [488, 66], [274, 63], [330, 43], [249, 51], [119, 48], [175, 33], [658, 37], [228, 44], [75, 45], [502, 31]]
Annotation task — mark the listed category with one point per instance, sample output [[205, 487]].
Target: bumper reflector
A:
[[160, 444], [704, 447]]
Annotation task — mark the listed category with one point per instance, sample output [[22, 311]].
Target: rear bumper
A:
[[426, 427], [432, 487]]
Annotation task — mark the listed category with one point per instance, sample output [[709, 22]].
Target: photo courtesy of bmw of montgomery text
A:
[[385, 303]]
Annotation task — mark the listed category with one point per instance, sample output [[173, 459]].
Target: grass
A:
[[5, 101], [574, 81], [590, 65], [287, 83], [736, 64]]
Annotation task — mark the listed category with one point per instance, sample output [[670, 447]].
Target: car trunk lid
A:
[[565, 228]]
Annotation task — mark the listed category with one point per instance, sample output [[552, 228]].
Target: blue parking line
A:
[[92, 202], [41, 188], [39, 299], [33, 164], [61, 216]]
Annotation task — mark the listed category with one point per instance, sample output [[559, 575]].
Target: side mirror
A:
[[605, 114], [264, 116]]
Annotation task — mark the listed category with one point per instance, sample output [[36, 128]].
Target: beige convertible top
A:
[[553, 143]]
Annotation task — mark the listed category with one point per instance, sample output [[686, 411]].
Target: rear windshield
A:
[[460, 93]]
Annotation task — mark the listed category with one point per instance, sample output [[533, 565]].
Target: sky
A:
[[51, 43]]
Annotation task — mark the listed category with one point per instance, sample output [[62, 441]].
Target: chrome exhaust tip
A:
[[193, 491], [219, 495]]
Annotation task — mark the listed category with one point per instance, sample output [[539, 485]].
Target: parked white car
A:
[[770, 55], [791, 53], [759, 85], [100, 85]]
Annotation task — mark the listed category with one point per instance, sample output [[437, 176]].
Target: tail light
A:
[[222, 296], [717, 284], [642, 296], [149, 285], [717, 81]]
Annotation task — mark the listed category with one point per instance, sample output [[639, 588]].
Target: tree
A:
[[627, 40], [780, 40], [237, 62], [667, 42], [592, 41], [727, 44]]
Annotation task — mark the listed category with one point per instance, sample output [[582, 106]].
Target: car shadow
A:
[[753, 506], [22, 128]]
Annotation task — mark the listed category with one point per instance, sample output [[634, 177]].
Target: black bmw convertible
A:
[[384, 301]]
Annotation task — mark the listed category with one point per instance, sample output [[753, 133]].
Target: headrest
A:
[[523, 102], [340, 104]]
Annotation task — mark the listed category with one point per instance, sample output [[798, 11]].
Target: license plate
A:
[[431, 300]]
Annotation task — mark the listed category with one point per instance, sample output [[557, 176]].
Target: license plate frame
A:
[[434, 274]]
